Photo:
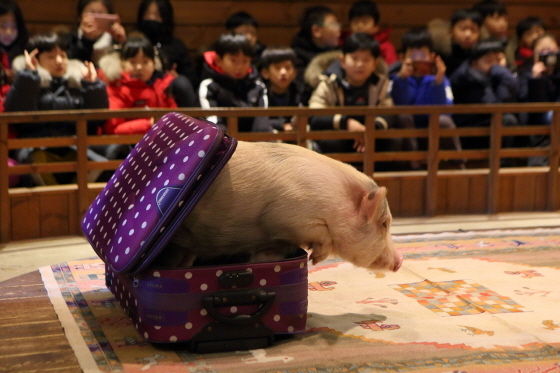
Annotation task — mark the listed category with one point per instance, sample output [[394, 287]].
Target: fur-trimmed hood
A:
[[111, 66], [440, 30], [318, 65], [74, 72], [321, 63]]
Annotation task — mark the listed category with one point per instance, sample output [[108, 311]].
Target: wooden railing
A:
[[432, 156]]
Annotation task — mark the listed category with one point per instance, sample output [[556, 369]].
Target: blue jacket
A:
[[420, 91]]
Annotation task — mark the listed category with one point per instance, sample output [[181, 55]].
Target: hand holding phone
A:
[[104, 21]]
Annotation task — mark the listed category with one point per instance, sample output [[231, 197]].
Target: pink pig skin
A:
[[273, 197]]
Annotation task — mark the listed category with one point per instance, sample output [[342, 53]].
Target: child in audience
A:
[[495, 27], [45, 79], [135, 80], [541, 83], [355, 83], [279, 73], [244, 23], [494, 20], [527, 30], [95, 36], [156, 21], [232, 82], [364, 17], [484, 79], [455, 45], [421, 80], [319, 32], [13, 35]]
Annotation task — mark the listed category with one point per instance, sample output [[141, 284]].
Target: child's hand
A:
[[288, 127], [539, 68], [31, 60], [90, 75], [89, 27], [406, 69], [173, 70], [118, 32], [354, 126], [503, 61], [440, 69]]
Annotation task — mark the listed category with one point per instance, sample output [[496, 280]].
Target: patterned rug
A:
[[464, 302]]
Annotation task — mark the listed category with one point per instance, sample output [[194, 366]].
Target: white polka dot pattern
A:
[[144, 190], [179, 313]]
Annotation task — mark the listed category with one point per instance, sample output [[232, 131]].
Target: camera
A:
[[423, 68], [104, 21], [550, 59]]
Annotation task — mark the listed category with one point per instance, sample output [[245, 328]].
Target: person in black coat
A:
[[277, 68], [156, 21], [229, 80], [541, 83], [95, 35], [46, 79], [319, 32], [484, 79]]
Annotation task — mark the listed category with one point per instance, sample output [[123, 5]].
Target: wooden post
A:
[[433, 165], [369, 158], [494, 162], [554, 159], [82, 167], [233, 126], [5, 209], [301, 130]]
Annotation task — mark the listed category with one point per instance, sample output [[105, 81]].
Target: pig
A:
[[271, 198]]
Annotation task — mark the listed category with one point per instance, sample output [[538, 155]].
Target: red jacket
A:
[[126, 93]]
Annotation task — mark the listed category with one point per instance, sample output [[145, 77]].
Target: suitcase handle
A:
[[238, 298]]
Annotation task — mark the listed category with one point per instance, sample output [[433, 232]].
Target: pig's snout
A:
[[398, 262]]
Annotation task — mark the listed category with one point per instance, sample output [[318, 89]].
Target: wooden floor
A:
[[32, 339]]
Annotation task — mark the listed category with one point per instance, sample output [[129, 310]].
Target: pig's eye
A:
[[384, 224]]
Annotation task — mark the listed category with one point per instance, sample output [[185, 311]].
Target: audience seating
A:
[[485, 187]]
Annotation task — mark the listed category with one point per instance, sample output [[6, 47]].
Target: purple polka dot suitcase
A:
[[209, 308]]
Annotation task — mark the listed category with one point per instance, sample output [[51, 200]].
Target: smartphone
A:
[[104, 21], [550, 59], [423, 68]]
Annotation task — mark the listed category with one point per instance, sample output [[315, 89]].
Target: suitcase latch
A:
[[237, 279]]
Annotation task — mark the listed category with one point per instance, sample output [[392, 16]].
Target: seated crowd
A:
[[467, 59]]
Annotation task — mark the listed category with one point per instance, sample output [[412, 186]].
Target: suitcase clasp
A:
[[235, 279]]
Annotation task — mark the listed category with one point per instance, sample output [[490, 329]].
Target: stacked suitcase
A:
[[211, 308]]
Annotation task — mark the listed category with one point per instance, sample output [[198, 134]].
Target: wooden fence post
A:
[[433, 165], [82, 167], [494, 162], [369, 163], [5, 210], [554, 162]]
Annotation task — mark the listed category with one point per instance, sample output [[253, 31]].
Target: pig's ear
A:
[[371, 203]]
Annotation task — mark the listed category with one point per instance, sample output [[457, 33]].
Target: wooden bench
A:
[[200, 22], [56, 210]]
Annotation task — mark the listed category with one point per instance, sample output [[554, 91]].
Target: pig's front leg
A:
[[320, 242]]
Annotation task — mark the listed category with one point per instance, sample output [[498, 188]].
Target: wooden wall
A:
[[200, 22], [52, 211]]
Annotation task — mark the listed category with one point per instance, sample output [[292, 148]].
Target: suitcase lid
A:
[[152, 191]]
